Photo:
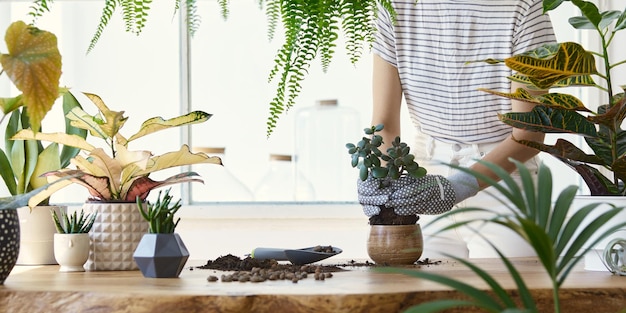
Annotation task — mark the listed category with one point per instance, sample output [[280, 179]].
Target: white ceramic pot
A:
[[37, 235], [71, 251], [115, 234]]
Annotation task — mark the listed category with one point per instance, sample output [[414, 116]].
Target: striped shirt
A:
[[431, 44]]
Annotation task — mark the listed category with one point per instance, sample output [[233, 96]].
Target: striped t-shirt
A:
[[430, 44]]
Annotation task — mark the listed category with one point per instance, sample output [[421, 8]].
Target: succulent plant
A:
[[370, 160], [160, 214], [73, 223]]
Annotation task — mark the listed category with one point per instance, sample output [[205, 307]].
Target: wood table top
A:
[[363, 289]]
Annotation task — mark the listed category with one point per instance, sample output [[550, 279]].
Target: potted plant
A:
[[311, 29], [603, 165], [393, 238], [9, 222], [161, 253], [33, 54], [558, 236], [71, 242], [115, 179]]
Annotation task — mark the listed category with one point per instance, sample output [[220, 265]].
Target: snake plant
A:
[[570, 64], [311, 29]]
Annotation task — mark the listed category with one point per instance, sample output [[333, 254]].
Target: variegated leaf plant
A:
[[122, 175], [570, 64]]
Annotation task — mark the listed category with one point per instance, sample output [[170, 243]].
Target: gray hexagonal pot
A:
[[161, 255]]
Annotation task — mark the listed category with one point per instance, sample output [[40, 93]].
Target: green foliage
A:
[[160, 215], [558, 239], [73, 223], [311, 29], [569, 64], [398, 160], [121, 174], [24, 161]]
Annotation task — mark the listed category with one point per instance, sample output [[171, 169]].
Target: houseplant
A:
[[32, 56], [603, 168], [115, 180], [393, 238], [10, 240], [161, 253], [311, 29], [71, 242], [558, 237]]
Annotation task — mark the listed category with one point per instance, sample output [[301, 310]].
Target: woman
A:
[[423, 60]]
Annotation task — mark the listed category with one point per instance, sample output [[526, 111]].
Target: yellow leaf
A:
[[61, 138], [178, 158], [113, 121], [34, 66], [158, 123]]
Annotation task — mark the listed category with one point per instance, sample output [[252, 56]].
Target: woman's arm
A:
[[387, 99]]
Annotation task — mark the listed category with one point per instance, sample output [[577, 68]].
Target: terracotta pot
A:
[[71, 251], [395, 244]]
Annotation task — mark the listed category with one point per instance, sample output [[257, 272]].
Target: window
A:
[[225, 73]]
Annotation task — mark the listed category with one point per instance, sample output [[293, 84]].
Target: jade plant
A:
[[569, 64], [120, 174], [160, 215], [311, 30], [73, 223], [370, 160], [383, 166]]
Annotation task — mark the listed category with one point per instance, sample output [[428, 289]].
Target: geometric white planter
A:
[[71, 251], [37, 231], [116, 232], [593, 260]]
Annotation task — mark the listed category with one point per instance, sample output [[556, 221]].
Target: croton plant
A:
[[122, 175], [570, 64]]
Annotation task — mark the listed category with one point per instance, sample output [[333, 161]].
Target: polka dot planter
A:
[[9, 242]]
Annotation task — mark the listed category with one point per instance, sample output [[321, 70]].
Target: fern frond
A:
[[38, 8], [311, 29], [272, 11], [105, 17], [223, 8], [193, 19]]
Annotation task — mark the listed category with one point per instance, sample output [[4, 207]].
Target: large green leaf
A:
[[570, 60], [553, 100], [34, 66], [68, 152], [548, 120]]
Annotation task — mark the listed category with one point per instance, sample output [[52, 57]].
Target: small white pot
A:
[[71, 251]]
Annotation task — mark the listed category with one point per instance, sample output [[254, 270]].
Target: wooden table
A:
[[45, 289]]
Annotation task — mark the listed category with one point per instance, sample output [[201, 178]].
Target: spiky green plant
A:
[[73, 223], [160, 215], [559, 241], [570, 64], [311, 29]]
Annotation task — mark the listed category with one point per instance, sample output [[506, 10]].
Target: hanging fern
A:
[[311, 28], [37, 9]]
